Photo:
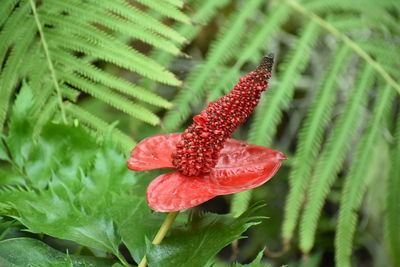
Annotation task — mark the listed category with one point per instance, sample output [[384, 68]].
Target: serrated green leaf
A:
[[133, 216], [255, 263], [194, 245], [20, 126], [77, 190], [18, 252]]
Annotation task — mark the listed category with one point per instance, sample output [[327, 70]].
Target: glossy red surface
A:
[[153, 153], [240, 166]]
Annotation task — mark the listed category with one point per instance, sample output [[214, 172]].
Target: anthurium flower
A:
[[207, 162]]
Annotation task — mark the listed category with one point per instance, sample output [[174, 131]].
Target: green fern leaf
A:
[[387, 20], [240, 203], [125, 142], [332, 157], [388, 53], [96, 43], [97, 75], [310, 140], [9, 77], [262, 35], [221, 51], [165, 8], [101, 16], [355, 183], [9, 34], [392, 214], [22, 54], [46, 114], [269, 111], [205, 11], [177, 3], [115, 100], [128, 11], [6, 8]]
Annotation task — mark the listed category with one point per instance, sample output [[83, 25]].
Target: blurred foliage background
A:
[[148, 66]]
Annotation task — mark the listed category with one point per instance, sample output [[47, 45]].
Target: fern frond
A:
[[205, 10], [41, 97], [167, 9], [113, 99], [366, 8], [264, 33], [225, 82], [103, 17], [9, 33], [332, 157], [349, 22], [387, 52], [126, 10], [177, 3], [96, 43], [90, 71], [125, 142], [310, 139], [46, 114], [49, 60], [353, 45], [6, 7], [221, 50], [374, 12], [69, 93], [269, 112], [90, 28], [240, 203], [36, 68], [9, 77], [392, 209], [355, 183], [270, 24]]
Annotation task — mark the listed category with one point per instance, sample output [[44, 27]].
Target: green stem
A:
[[161, 233], [122, 259], [49, 62], [353, 45]]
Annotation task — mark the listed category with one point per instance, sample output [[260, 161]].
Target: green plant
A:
[[332, 108]]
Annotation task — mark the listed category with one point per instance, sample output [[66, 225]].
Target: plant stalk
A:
[[161, 233], [49, 61], [353, 45]]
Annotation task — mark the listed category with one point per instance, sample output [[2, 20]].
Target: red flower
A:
[[208, 163]]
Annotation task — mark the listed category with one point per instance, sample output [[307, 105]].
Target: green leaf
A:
[[392, 214], [20, 125], [240, 202], [136, 223], [59, 38], [78, 190], [269, 111], [255, 263], [220, 52], [355, 185], [195, 244], [311, 140], [31, 252], [332, 157]]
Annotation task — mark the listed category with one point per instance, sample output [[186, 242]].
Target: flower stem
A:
[[161, 233]]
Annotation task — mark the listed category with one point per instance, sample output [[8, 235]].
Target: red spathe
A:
[[240, 166]]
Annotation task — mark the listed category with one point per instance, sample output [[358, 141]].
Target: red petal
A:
[[241, 166], [154, 153], [175, 191]]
